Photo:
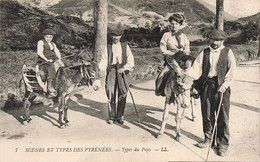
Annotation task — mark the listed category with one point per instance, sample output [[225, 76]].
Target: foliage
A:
[[143, 37], [249, 32], [232, 27], [22, 27], [206, 30]]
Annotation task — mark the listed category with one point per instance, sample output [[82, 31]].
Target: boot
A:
[[51, 90], [204, 143]]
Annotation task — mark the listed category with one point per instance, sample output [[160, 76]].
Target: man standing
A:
[[119, 63], [214, 67]]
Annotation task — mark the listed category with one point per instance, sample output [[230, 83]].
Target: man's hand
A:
[[173, 51], [121, 70], [49, 60], [222, 89], [60, 62]]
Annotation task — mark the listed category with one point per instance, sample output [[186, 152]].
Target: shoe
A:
[[221, 152], [204, 144], [110, 121], [120, 121], [159, 135]]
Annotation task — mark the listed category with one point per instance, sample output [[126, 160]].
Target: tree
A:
[[100, 26], [258, 33], [219, 14]]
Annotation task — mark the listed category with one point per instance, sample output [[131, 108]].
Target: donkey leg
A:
[[26, 105], [179, 115], [164, 118], [66, 110], [61, 105], [192, 100]]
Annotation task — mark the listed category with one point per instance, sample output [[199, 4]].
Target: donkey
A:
[[67, 79], [177, 90]]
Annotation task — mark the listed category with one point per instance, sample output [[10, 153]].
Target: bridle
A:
[[182, 90], [88, 75], [180, 87]]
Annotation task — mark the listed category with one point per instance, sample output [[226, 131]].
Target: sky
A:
[[239, 8]]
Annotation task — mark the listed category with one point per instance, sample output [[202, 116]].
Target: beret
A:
[[48, 32], [217, 34], [116, 32]]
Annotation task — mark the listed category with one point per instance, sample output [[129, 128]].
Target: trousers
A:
[[117, 86], [210, 99]]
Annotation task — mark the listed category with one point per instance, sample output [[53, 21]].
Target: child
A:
[[49, 58]]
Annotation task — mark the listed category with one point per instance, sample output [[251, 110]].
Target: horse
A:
[[178, 90], [80, 73]]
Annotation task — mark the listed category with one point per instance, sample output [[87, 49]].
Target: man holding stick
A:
[[120, 63], [214, 67]]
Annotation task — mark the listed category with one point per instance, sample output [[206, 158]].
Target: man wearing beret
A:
[[119, 62], [214, 69], [49, 58]]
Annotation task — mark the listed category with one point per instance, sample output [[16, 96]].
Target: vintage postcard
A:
[[129, 80]]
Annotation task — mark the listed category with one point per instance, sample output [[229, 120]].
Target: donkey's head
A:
[[183, 86], [92, 74]]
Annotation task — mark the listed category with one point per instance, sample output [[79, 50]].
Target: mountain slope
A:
[[245, 20], [227, 16], [21, 27], [193, 10]]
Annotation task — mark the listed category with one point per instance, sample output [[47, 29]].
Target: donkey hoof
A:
[[25, 122], [178, 138], [62, 125], [67, 124], [28, 120], [159, 135]]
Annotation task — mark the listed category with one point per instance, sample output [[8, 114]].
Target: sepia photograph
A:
[[129, 80]]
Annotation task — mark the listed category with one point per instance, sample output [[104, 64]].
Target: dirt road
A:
[[90, 138]]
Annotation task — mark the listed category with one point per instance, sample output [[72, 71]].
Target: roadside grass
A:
[[147, 61]]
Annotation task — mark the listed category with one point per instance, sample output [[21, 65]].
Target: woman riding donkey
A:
[[49, 59], [171, 43], [172, 82]]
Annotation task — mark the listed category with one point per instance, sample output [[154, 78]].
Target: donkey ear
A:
[[177, 68], [188, 64]]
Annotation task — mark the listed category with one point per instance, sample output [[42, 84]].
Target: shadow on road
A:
[[139, 88], [148, 123], [244, 106], [35, 110], [100, 111], [247, 81]]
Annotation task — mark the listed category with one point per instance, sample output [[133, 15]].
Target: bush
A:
[[249, 32], [143, 37]]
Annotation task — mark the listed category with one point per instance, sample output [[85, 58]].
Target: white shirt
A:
[[52, 45], [117, 56], [117, 53], [169, 43], [196, 69]]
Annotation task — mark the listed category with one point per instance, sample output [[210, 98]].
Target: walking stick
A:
[[123, 74], [215, 124]]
